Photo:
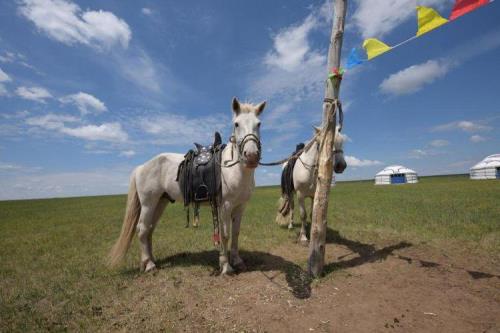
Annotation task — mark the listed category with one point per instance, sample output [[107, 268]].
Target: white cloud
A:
[[3, 90], [86, 103], [292, 68], [35, 184], [463, 125], [7, 167], [273, 118], [37, 94], [112, 132], [141, 70], [418, 153], [4, 77], [413, 78], [439, 143], [356, 162], [375, 18], [127, 153], [51, 121], [477, 138], [65, 22], [18, 58], [291, 46], [8, 57], [146, 11], [171, 129]]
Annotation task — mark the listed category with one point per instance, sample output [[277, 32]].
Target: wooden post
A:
[[325, 161]]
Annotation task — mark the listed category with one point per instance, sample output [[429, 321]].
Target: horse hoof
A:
[[290, 226], [195, 226], [150, 267], [227, 270], [147, 266], [304, 242]]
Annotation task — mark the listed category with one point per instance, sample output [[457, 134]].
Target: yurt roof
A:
[[392, 169], [492, 161]]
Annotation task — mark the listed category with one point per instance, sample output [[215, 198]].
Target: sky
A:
[[91, 89]]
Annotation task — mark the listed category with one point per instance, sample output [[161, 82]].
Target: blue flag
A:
[[354, 59]]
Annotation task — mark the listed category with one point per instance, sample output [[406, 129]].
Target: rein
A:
[[252, 137], [294, 155]]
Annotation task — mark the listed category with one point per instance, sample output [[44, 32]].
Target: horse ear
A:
[[236, 106], [316, 129], [198, 146], [260, 108]]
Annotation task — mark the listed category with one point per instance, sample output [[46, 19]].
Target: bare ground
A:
[[395, 286]]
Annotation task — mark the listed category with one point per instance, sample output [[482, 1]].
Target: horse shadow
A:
[[298, 279]]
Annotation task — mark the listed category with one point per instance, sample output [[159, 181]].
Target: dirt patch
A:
[[367, 288]]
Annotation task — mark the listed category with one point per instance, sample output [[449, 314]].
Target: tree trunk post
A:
[[325, 160]]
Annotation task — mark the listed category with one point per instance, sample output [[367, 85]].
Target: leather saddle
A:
[[199, 172]]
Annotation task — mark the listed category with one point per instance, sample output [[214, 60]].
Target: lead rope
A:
[[338, 105], [294, 155]]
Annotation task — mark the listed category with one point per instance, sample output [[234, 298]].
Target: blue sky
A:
[[89, 90]]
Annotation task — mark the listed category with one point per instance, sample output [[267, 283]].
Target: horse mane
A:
[[247, 107]]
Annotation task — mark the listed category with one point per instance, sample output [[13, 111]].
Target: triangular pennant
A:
[[354, 59], [462, 7], [374, 47], [428, 19]]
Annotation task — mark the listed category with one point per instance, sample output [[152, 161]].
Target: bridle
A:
[[240, 145], [246, 139], [311, 166]]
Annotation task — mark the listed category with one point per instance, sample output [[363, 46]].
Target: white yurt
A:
[[396, 174], [489, 168]]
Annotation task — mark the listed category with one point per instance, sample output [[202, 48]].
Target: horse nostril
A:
[[245, 153]]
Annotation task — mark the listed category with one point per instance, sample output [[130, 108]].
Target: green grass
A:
[[52, 274]]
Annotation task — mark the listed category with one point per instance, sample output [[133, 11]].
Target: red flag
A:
[[464, 6]]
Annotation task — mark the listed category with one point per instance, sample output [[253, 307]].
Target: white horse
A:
[[153, 185], [304, 182]]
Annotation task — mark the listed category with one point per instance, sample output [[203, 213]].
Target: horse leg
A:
[[224, 226], [147, 222], [311, 212], [196, 221], [235, 258], [292, 209], [303, 218]]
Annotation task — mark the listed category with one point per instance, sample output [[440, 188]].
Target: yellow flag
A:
[[374, 47], [428, 19]]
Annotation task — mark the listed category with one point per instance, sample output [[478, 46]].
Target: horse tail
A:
[[130, 221], [283, 216]]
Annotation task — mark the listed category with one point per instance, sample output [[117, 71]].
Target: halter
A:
[[240, 145], [247, 138]]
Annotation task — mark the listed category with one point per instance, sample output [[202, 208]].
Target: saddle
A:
[[199, 173], [287, 187]]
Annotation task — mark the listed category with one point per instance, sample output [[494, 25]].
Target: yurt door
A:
[[398, 178], [498, 173]]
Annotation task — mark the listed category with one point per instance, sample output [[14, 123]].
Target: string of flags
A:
[[428, 19]]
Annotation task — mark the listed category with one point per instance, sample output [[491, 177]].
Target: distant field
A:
[[51, 262]]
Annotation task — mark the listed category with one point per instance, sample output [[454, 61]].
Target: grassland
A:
[[52, 275]]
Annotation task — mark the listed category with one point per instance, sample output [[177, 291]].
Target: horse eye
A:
[[258, 125], [236, 124]]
